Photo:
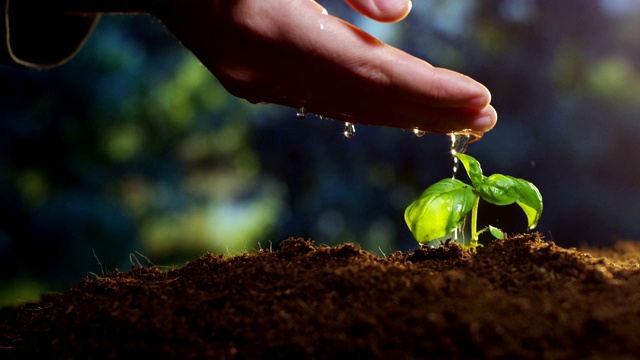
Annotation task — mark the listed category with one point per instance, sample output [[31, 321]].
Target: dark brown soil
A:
[[518, 298]]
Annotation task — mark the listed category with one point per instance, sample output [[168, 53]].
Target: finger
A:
[[429, 119], [382, 10], [356, 78]]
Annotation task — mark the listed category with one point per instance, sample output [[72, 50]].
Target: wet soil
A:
[[519, 298]]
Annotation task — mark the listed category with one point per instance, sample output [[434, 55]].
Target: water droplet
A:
[[458, 232], [459, 143], [349, 130], [418, 133], [301, 113]]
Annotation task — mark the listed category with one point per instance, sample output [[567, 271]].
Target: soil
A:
[[519, 298]]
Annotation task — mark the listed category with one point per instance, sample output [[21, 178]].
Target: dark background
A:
[[134, 150]]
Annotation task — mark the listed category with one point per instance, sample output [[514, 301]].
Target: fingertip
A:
[[401, 11], [479, 101], [408, 9], [382, 10], [486, 119], [478, 97]]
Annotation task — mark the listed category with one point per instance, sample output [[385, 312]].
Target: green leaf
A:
[[498, 189], [497, 233], [441, 208], [505, 190], [530, 200], [474, 171]]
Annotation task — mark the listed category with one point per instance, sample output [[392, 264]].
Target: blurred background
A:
[[133, 147]]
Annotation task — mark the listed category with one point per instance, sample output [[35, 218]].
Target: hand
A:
[[291, 52]]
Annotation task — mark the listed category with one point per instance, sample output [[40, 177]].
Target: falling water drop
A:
[[458, 233], [459, 143], [418, 133], [301, 113], [349, 130]]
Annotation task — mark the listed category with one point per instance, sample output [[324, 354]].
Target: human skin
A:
[[292, 53]]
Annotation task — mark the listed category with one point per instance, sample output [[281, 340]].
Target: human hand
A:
[[291, 52]]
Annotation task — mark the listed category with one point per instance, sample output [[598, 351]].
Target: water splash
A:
[[349, 130], [301, 113], [418, 133]]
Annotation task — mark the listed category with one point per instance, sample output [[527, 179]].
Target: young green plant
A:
[[443, 206]]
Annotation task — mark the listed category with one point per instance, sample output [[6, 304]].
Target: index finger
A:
[[360, 79], [382, 10]]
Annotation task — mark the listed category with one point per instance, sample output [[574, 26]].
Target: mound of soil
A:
[[519, 298]]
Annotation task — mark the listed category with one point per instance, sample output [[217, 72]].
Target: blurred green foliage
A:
[[134, 146]]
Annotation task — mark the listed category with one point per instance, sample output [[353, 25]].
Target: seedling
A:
[[443, 206]]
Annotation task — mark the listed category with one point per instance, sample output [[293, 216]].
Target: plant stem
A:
[[473, 243]]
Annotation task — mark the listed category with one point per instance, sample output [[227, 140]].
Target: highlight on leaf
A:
[[442, 207]]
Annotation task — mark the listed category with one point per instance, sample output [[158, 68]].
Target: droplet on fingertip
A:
[[349, 130], [301, 113]]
